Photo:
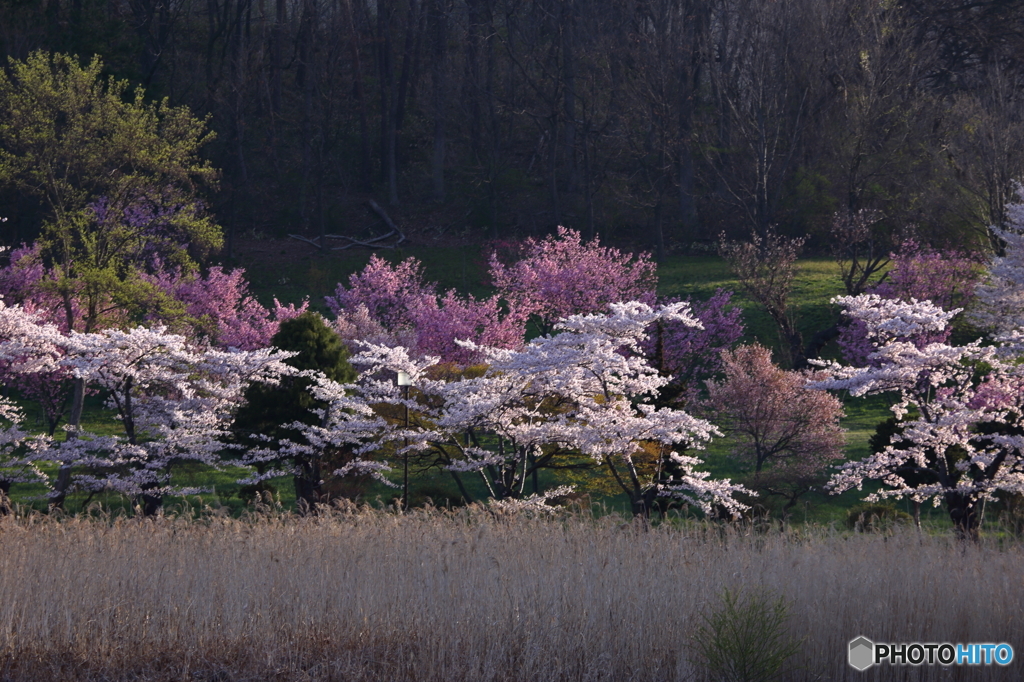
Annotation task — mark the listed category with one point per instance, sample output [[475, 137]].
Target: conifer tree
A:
[[263, 422]]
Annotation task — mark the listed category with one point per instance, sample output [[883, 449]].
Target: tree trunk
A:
[[641, 503], [74, 421], [439, 26], [308, 493], [567, 20], [659, 231], [151, 504], [365, 163], [408, 55], [462, 487], [964, 513], [5, 501], [277, 46]]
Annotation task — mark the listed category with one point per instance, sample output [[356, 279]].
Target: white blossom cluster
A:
[[583, 391], [174, 400]]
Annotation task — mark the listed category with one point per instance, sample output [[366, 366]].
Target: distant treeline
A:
[[662, 122]]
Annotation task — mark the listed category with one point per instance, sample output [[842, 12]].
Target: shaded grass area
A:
[[472, 596]]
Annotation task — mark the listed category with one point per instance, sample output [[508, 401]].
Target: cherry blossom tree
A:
[[173, 400], [783, 432], [216, 307], [16, 465], [391, 294], [584, 390], [561, 275], [28, 345], [960, 411]]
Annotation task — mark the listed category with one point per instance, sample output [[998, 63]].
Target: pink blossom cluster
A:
[[691, 354], [392, 304], [221, 309], [552, 278], [28, 282], [785, 433], [561, 275]]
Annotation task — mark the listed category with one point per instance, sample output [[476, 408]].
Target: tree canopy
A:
[[118, 176]]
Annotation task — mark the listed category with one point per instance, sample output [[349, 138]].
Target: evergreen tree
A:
[[262, 422]]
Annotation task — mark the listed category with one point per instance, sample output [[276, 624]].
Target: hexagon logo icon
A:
[[862, 653]]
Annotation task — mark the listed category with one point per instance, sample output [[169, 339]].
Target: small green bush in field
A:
[[874, 517], [745, 639]]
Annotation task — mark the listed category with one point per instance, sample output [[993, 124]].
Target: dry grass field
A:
[[448, 597]]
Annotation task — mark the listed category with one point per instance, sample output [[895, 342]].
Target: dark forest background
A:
[[657, 122]]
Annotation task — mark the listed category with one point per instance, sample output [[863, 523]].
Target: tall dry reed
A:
[[378, 596]]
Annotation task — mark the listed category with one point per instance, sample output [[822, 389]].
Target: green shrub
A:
[[875, 517], [745, 639]]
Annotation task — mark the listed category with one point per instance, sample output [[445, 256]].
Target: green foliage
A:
[[268, 408], [85, 146], [875, 517], [745, 639]]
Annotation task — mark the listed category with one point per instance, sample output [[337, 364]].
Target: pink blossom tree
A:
[[688, 354], [391, 294], [784, 433], [220, 309], [392, 304], [561, 275], [960, 411]]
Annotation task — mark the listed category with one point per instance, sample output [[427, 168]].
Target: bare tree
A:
[[765, 267]]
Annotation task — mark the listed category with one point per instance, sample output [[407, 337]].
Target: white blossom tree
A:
[[585, 390], [960, 411], [1000, 304], [173, 400], [16, 446]]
